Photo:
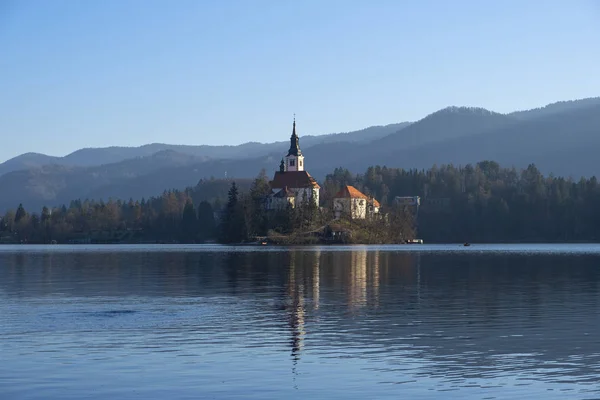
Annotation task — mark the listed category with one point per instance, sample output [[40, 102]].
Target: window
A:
[[300, 162], [291, 163]]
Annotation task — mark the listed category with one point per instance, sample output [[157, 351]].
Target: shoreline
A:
[[165, 244]]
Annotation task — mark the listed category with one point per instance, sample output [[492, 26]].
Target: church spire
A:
[[294, 143]]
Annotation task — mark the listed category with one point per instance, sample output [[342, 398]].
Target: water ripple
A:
[[381, 322]]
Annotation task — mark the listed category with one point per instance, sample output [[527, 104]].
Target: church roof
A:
[[293, 180], [353, 193], [294, 143]]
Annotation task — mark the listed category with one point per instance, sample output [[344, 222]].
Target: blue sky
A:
[[99, 73]]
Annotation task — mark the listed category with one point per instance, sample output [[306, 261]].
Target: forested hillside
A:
[[487, 203], [483, 202]]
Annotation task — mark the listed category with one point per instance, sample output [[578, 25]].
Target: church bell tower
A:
[[294, 161]]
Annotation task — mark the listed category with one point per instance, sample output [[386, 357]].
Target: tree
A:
[[256, 213], [206, 222], [45, 215], [20, 214], [308, 210], [233, 226], [401, 224], [189, 223]]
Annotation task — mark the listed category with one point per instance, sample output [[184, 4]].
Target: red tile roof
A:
[[351, 192], [354, 193], [293, 179]]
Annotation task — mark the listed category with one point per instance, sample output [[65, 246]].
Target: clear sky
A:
[[128, 72]]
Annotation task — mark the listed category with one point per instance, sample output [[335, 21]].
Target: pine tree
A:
[[256, 212], [206, 222], [233, 225], [189, 223], [45, 215], [20, 214]]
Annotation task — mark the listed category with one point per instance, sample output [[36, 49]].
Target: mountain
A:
[[27, 160], [58, 184], [448, 123], [562, 140], [99, 156], [556, 108], [562, 143]]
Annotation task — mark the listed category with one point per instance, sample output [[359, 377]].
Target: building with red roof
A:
[[292, 184], [352, 203]]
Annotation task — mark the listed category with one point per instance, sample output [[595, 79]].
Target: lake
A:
[[355, 322]]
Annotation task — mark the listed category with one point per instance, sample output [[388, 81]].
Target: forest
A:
[[483, 202]]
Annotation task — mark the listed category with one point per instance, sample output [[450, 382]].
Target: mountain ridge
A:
[[94, 156], [562, 142]]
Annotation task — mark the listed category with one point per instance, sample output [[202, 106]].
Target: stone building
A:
[[352, 203], [292, 184]]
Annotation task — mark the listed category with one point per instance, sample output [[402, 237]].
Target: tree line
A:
[[485, 202], [477, 203], [186, 216]]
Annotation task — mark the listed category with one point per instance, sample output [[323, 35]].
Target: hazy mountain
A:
[[563, 142], [57, 184], [555, 108], [448, 123], [108, 155], [27, 160], [560, 143]]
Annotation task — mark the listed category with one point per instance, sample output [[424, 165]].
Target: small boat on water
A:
[[467, 244]]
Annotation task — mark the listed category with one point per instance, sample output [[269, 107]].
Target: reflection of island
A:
[[455, 312], [373, 264], [357, 290], [316, 279], [296, 311]]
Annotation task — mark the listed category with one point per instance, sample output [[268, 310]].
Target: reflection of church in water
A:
[[347, 282], [355, 274]]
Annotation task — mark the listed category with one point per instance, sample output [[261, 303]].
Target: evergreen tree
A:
[[206, 222], [256, 213], [189, 223], [45, 215], [233, 225], [20, 214]]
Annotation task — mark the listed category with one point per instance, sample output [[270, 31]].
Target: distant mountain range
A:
[[108, 155], [560, 138]]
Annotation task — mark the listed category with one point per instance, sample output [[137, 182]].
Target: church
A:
[[292, 184]]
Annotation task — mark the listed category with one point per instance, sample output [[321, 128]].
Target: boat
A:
[[467, 244]]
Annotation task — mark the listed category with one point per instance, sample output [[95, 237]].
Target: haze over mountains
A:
[[561, 138]]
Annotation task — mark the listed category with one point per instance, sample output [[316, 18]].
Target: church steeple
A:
[[294, 161], [294, 143]]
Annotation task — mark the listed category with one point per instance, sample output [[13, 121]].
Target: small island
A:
[[290, 209]]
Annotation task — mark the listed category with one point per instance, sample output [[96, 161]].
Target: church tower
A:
[[294, 161]]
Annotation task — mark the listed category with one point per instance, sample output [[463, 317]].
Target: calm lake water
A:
[[202, 322]]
